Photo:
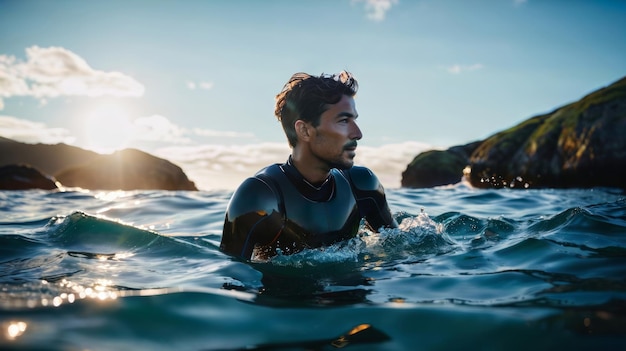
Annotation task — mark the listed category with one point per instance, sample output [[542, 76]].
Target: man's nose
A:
[[356, 132]]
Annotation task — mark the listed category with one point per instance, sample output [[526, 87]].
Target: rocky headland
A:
[[24, 177], [28, 166], [579, 145]]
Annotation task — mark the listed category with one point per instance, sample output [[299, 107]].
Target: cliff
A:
[[579, 145]]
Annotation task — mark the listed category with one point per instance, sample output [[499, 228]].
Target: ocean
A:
[[468, 269]]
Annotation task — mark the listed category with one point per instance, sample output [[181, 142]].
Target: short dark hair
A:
[[306, 97]]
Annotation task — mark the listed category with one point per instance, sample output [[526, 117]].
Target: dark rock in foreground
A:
[[128, 169], [437, 167], [580, 145], [23, 177]]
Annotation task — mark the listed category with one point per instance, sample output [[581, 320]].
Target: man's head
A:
[[306, 97]]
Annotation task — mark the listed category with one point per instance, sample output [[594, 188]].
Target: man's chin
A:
[[346, 164]]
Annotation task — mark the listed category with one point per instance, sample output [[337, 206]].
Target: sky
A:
[[194, 81]]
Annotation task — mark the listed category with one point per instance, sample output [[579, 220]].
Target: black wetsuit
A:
[[279, 209]]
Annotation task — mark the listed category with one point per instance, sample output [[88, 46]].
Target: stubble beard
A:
[[344, 161], [342, 164]]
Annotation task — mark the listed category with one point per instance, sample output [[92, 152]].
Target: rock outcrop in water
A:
[[438, 167], [579, 145], [23, 177], [128, 169]]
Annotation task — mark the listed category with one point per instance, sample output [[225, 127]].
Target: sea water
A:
[[467, 269]]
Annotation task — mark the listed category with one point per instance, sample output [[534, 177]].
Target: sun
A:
[[108, 128]]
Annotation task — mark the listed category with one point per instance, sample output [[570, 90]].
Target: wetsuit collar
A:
[[315, 192]]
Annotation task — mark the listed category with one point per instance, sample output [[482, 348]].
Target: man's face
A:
[[334, 139]]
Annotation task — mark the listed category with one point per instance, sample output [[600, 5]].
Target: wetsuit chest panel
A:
[[318, 223], [320, 217]]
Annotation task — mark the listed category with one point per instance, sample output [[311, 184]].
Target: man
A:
[[317, 197]]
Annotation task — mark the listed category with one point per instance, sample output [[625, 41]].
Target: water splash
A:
[[416, 236]]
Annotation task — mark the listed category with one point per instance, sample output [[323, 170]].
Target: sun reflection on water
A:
[[15, 329], [102, 289]]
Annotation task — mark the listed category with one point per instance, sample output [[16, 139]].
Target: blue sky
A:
[[194, 81]]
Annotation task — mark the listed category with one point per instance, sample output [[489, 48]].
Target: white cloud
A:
[[199, 85], [206, 85], [519, 2], [221, 134], [10, 81], [33, 132], [377, 9], [55, 71], [458, 69], [219, 166], [140, 132], [225, 167], [159, 129]]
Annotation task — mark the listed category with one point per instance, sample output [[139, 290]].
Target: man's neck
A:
[[311, 169], [315, 192]]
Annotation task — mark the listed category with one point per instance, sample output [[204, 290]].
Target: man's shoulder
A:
[[255, 194], [269, 171], [362, 178]]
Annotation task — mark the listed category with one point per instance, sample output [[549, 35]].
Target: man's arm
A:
[[371, 199], [252, 218]]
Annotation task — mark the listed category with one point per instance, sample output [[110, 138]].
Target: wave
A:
[[540, 267], [85, 249], [81, 252]]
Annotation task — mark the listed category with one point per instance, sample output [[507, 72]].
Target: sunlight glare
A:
[[108, 128]]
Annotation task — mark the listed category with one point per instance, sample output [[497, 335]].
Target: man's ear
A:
[[302, 130]]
